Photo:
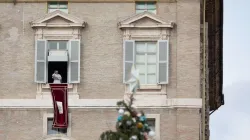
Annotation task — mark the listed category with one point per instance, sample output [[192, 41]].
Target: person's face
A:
[[56, 72]]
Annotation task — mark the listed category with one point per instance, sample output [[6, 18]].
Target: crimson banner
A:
[[59, 94]]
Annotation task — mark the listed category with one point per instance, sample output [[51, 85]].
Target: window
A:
[[146, 61], [153, 121], [151, 58], [51, 130], [63, 56], [62, 6], [61, 64], [146, 6]]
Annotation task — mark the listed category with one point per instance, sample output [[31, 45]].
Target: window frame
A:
[[156, 117], [146, 6], [58, 3], [58, 44], [146, 55], [55, 129], [48, 49], [46, 116]]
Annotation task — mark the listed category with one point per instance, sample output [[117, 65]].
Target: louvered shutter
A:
[[163, 61], [41, 61], [128, 58], [74, 61]]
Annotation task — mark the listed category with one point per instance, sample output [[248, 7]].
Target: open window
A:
[[63, 56]]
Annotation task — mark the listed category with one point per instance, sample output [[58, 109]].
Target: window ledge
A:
[[47, 86], [47, 95], [147, 93], [150, 86]]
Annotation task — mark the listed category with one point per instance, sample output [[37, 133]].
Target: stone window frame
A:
[[45, 30], [157, 118], [138, 32], [128, 35], [45, 125]]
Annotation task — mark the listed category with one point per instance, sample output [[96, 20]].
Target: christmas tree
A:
[[131, 124]]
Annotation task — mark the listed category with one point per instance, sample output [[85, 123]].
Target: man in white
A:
[[57, 77]]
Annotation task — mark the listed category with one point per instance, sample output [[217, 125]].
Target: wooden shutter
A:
[[74, 61], [163, 61], [128, 58], [41, 61]]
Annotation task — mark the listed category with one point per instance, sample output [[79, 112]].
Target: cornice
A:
[[102, 103], [128, 22]]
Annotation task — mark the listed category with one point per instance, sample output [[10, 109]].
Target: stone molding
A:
[[102, 103]]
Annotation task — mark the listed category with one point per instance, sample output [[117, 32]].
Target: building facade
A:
[[93, 44]]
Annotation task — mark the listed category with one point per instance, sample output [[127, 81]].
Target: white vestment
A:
[[57, 78]]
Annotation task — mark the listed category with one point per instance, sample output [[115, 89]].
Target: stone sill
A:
[[46, 86], [150, 87], [47, 95]]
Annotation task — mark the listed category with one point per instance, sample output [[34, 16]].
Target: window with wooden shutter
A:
[[128, 58], [74, 61], [41, 61], [163, 60]]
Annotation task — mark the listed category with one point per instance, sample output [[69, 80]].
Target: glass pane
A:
[[140, 47], [151, 58], [152, 11], [151, 69], [50, 129], [151, 6], [151, 79], [140, 58], [141, 68], [140, 6], [53, 5], [139, 11], [64, 10], [151, 47], [62, 45], [151, 124], [52, 45], [142, 78], [63, 5]]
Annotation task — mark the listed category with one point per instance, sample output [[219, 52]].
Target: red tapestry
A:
[[60, 102]]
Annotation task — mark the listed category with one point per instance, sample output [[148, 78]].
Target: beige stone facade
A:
[[23, 102]]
